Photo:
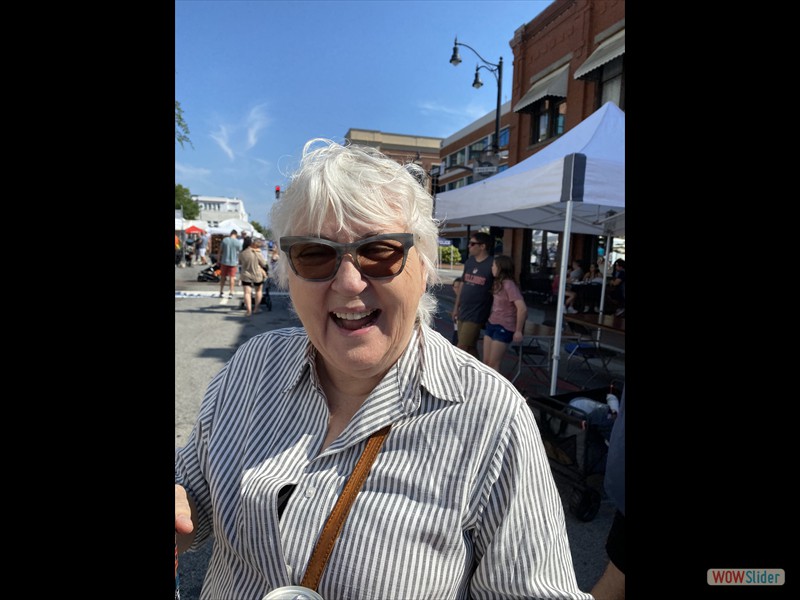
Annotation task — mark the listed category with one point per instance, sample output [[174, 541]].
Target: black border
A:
[[708, 453]]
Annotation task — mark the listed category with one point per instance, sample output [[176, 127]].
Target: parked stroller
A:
[[211, 273]]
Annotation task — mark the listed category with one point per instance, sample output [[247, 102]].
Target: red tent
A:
[[195, 229]]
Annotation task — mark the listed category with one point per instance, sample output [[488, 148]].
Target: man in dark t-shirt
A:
[[474, 301]]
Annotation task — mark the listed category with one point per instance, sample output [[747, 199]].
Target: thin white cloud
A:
[[262, 161], [236, 137], [228, 137], [256, 121], [221, 137], [470, 111], [190, 171]]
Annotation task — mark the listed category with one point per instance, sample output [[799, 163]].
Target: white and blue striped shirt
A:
[[460, 502]]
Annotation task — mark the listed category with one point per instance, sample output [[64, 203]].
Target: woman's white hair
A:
[[359, 187]]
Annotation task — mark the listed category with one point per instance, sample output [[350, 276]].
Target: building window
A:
[[477, 148], [504, 133], [547, 119], [612, 82], [458, 183], [457, 158]]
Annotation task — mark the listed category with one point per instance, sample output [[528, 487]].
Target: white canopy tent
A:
[[575, 185], [225, 227], [184, 224]]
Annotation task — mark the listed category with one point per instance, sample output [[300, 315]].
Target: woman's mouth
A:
[[355, 320]]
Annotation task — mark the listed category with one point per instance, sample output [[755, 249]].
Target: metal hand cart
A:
[[576, 444]]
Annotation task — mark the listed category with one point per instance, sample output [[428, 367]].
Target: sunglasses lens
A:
[[381, 259], [375, 258], [313, 261]]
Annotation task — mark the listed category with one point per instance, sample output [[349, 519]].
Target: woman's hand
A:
[[183, 512]]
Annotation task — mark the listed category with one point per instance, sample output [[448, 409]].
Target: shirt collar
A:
[[429, 362]]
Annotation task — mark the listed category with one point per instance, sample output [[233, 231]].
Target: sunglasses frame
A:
[[405, 239]]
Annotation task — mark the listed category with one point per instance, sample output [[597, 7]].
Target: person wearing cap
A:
[[454, 495]]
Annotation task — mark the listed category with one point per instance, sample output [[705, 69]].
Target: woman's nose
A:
[[348, 278]]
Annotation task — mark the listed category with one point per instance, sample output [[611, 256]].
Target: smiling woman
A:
[[366, 386]]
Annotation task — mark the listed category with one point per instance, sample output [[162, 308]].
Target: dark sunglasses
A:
[[377, 257]]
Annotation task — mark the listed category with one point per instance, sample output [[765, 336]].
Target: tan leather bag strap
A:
[[324, 546]]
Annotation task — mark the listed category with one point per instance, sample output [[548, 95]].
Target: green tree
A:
[[266, 232], [183, 200], [449, 255], [181, 128]]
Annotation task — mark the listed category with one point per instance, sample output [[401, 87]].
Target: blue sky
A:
[[257, 79]]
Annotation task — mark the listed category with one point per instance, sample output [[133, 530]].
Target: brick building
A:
[[568, 61], [403, 148]]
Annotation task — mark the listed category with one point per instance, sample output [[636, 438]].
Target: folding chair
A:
[[531, 353], [587, 348]]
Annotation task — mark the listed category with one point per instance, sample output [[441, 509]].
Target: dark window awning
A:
[[605, 52], [553, 84]]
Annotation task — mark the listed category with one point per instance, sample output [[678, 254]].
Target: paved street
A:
[[208, 330]]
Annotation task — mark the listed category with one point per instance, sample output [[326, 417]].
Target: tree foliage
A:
[[183, 200], [449, 255], [181, 128], [265, 231]]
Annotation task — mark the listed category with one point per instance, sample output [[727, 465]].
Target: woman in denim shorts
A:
[[506, 322]]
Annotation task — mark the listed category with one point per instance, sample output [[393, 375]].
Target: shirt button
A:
[[309, 492]]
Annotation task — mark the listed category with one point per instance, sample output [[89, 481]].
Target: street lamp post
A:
[[494, 69]]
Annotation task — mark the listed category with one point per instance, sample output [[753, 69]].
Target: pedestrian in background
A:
[[229, 250], [457, 498], [188, 250], [457, 283], [253, 275], [202, 247], [506, 323], [616, 287], [574, 275], [474, 301]]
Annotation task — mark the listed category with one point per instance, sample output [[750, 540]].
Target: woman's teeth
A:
[[353, 316]]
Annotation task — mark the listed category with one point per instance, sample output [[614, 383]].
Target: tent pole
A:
[[605, 274], [562, 288], [572, 190], [603, 289]]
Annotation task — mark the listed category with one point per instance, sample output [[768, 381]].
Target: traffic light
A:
[[277, 192]]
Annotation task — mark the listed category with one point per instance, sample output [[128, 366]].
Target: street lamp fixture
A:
[[494, 69], [477, 84]]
